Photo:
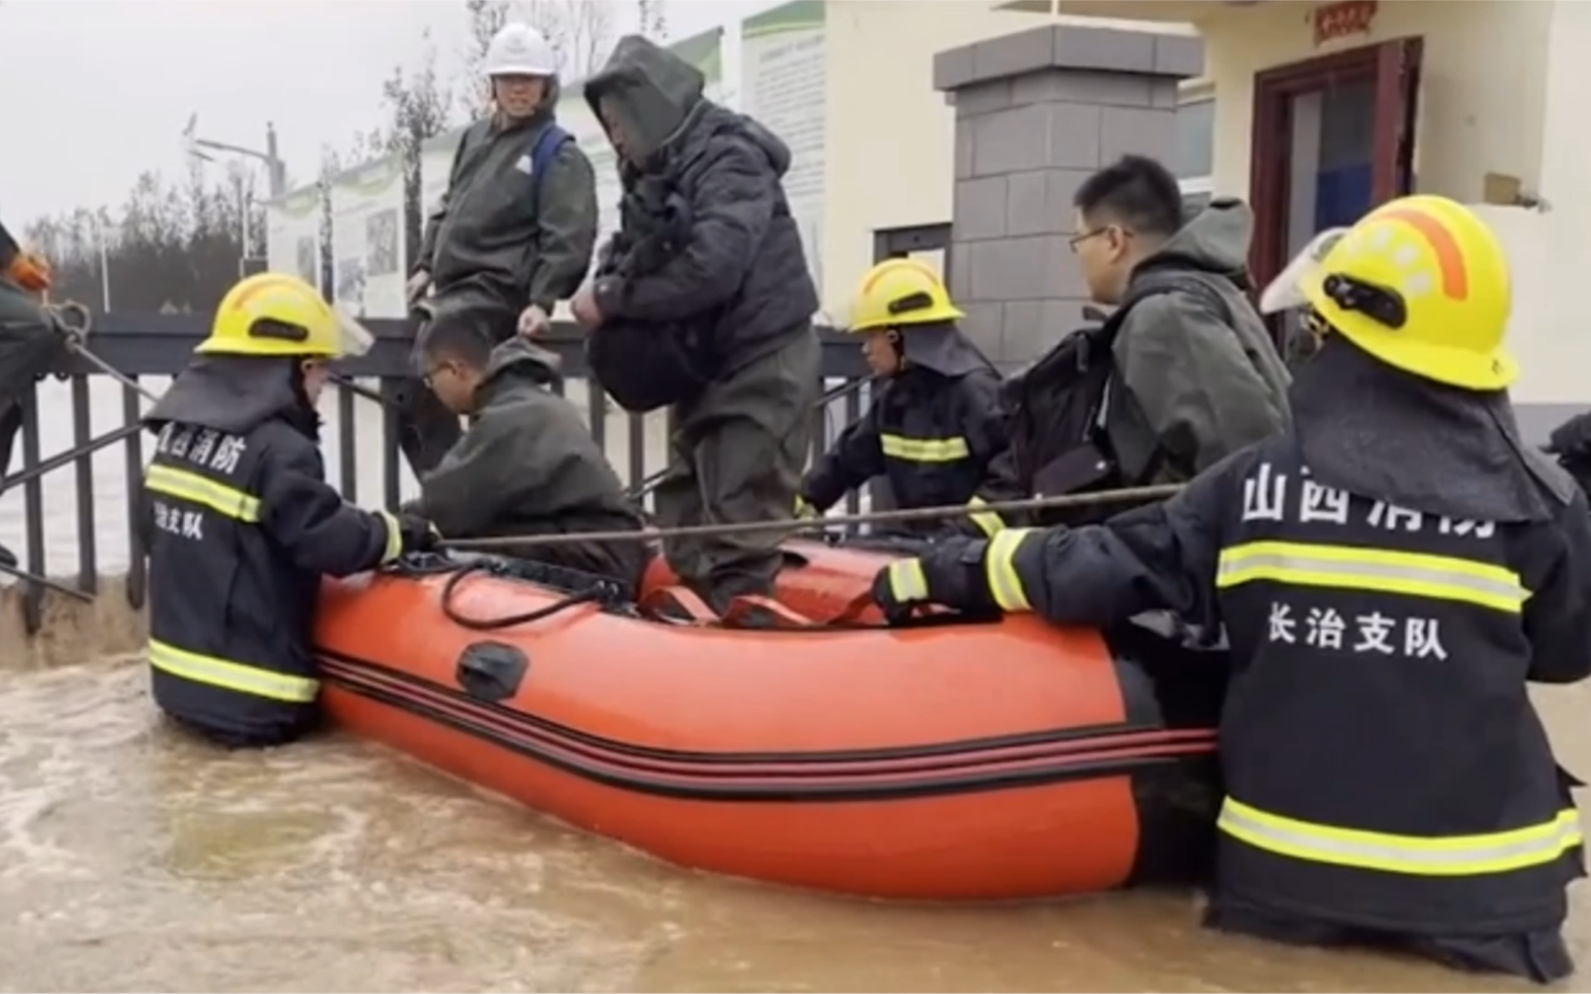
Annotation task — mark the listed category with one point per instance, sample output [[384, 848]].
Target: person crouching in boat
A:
[[935, 426], [527, 465], [240, 523], [1391, 572]]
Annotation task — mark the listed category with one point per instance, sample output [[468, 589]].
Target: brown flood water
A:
[[133, 859]]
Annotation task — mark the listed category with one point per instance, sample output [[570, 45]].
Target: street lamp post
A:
[[275, 168]]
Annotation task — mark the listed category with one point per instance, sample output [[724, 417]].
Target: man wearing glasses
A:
[[1195, 375]]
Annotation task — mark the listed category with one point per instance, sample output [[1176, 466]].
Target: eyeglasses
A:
[[1077, 240]]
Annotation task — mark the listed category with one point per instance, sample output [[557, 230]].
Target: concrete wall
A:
[[1036, 113]]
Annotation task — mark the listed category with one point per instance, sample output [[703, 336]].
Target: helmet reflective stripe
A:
[[519, 50], [1421, 283]]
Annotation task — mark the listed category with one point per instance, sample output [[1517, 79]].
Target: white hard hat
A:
[[520, 50]]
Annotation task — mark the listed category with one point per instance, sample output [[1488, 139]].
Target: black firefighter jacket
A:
[[495, 231], [240, 526], [741, 275], [1383, 764], [933, 435], [528, 465]]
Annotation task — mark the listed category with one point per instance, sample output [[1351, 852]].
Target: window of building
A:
[[1195, 152]]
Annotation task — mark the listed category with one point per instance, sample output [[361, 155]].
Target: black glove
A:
[[418, 534], [951, 574], [1572, 439]]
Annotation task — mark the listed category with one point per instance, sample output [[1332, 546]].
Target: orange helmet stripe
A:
[[1449, 259]]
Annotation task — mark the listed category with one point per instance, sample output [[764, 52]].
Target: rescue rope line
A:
[[651, 482], [76, 334], [44, 581], [1122, 495]]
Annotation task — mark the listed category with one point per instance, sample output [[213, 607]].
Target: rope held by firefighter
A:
[[1122, 495]]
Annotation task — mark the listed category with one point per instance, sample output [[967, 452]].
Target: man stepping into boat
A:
[[725, 320], [240, 524], [935, 426], [527, 465], [518, 222], [1390, 574]]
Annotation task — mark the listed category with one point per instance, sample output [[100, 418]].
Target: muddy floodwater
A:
[[132, 859]]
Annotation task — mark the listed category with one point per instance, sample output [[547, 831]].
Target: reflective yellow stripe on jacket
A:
[[394, 547], [1441, 856], [1354, 568], [988, 522], [999, 568], [924, 449], [218, 497], [229, 675]]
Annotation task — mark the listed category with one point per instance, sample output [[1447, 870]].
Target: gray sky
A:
[[97, 91]]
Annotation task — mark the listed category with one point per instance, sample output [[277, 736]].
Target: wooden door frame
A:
[[1270, 163]]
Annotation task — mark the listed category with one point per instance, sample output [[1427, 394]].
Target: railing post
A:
[[82, 436]]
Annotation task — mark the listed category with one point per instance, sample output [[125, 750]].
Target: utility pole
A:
[[275, 168]]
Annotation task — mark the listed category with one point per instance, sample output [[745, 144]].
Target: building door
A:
[[1333, 138]]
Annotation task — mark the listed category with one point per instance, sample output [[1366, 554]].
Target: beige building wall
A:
[[1481, 94], [891, 136]]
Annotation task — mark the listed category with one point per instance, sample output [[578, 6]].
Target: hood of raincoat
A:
[[1215, 241], [1374, 430], [650, 91], [514, 362]]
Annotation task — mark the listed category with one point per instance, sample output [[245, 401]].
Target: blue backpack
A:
[[547, 144]]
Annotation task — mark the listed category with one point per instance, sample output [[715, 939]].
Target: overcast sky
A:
[[94, 92]]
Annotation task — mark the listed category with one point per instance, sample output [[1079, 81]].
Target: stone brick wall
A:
[[1036, 113]]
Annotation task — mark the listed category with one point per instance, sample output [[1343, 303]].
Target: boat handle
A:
[[491, 671]]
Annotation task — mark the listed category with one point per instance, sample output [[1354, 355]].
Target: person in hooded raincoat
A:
[[1391, 572], [736, 284], [240, 524], [31, 345], [509, 230], [527, 465], [1197, 374], [936, 425]]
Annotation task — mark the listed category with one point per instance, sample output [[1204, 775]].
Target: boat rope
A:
[[594, 594], [76, 335], [792, 525]]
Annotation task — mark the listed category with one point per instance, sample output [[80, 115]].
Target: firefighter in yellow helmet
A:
[[240, 522], [1391, 572], [934, 426]]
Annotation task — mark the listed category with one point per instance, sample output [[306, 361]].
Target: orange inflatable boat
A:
[[968, 760]]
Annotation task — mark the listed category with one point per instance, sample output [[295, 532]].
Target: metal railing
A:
[[160, 345]]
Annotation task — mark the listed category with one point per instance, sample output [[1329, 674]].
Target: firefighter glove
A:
[[951, 574], [418, 534]]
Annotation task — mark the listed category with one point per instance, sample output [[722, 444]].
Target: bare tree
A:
[[420, 107], [652, 19]]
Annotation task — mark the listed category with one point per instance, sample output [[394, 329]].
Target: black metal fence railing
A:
[[146, 347]]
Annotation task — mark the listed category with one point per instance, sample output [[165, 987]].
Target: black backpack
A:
[[1055, 407]]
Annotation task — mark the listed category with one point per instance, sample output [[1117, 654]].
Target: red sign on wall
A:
[[1338, 20]]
